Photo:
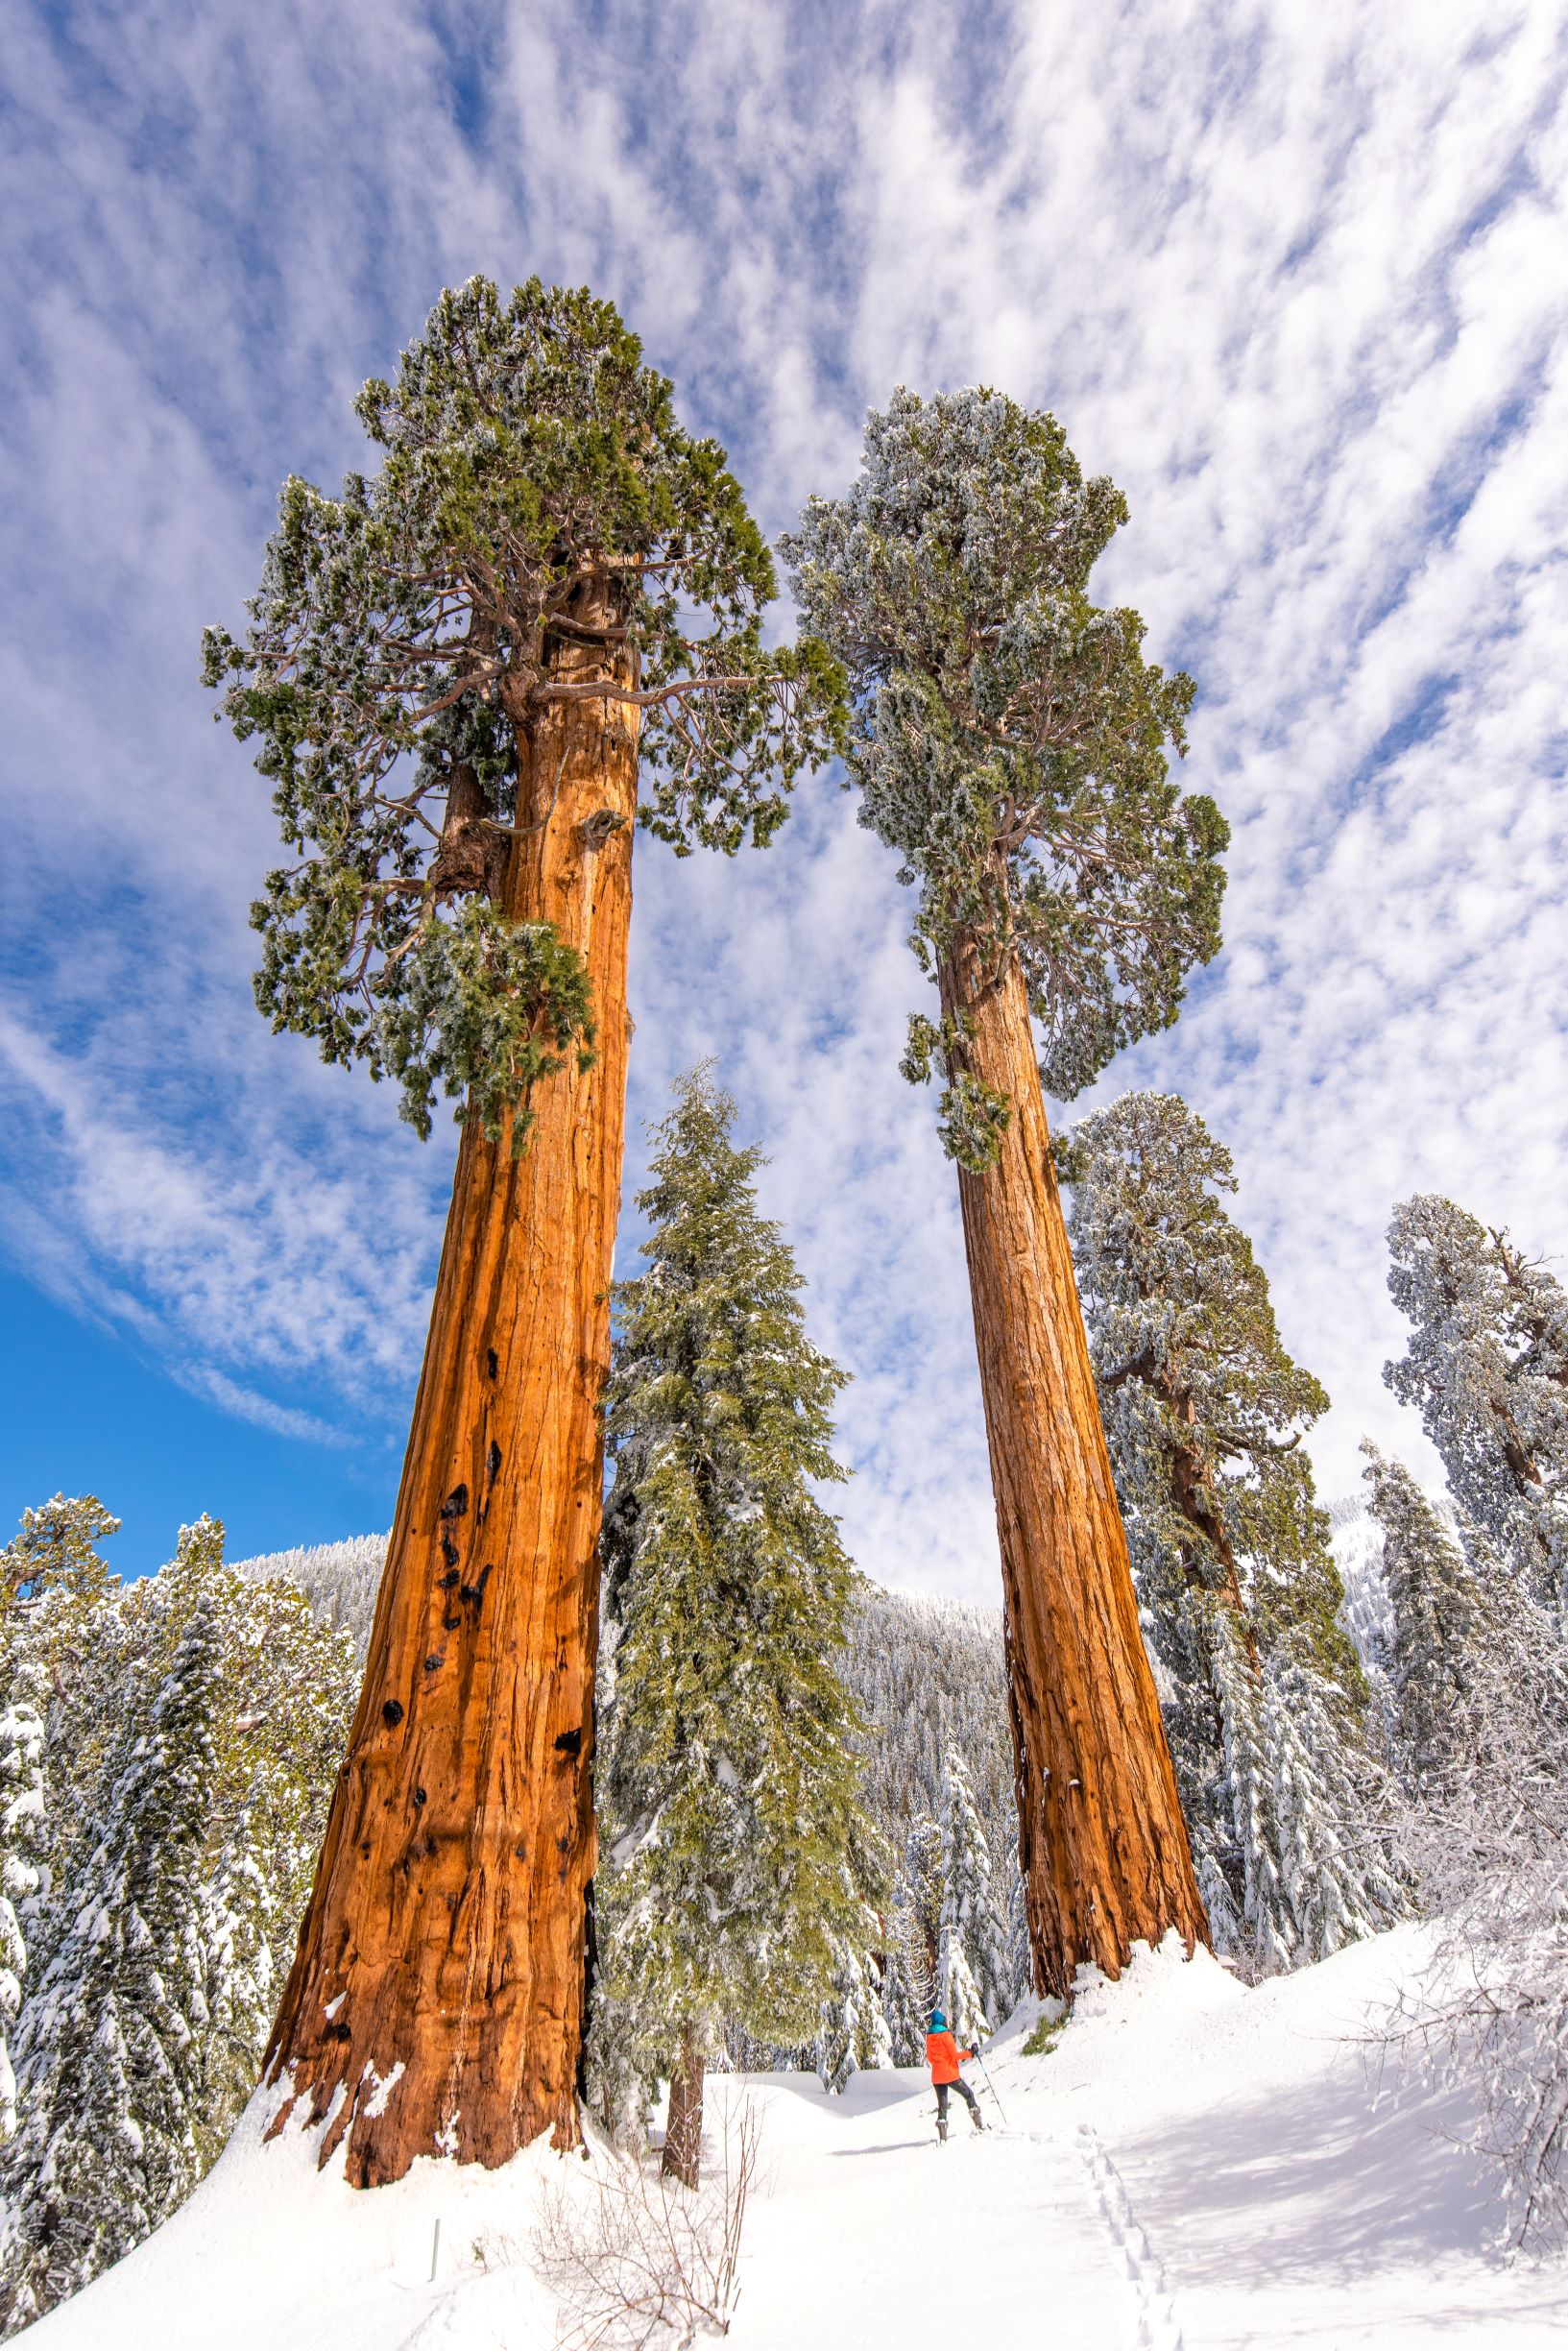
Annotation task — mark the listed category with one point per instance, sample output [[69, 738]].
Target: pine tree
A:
[[108, 2050], [452, 671], [971, 1953], [854, 2036], [222, 1884], [56, 1552], [1486, 1366], [737, 1867], [1435, 1601], [22, 1836], [1204, 1412], [1008, 739]]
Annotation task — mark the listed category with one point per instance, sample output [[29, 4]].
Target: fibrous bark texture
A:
[[1103, 1842], [682, 2159], [436, 2000]]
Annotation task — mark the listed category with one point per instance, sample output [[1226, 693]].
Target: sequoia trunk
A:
[[436, 2000], [682, 2158], [1101, 1838]]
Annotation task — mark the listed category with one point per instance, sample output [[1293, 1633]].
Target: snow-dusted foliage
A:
[[339, 1579], [1272, 1726], [853, 2036], [929, 1674], [1487, 1368], [737, 1868], [185, 1731], [23, 1835], [108, 2045], [1487, 1832], [1436, 1628], [974, 1982]]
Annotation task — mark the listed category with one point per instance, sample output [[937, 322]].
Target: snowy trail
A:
[[874, 2234]]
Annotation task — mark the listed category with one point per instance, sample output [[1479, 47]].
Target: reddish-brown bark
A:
[[444, 1938], [1102, 1841]]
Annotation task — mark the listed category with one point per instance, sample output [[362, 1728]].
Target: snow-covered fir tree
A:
[[1436, 1614], [108, 2049], [1486, 1366], [1204, 1414], [854, 2035], [973, 1975], [736, 1865], [22, 1838], [105, 1659]]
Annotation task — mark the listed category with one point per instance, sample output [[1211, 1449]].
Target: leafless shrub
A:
[[1487, 1836], [634, 2259]]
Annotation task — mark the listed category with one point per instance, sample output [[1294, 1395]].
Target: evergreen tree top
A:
[[713, 1336], [55, 1550], [1486, 1366], [1008, 737], [1179, 1295], [537, 492]]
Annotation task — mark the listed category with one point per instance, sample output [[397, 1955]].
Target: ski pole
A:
[[992, 2087]]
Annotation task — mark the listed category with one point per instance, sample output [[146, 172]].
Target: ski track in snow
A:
[[1157, 2327]]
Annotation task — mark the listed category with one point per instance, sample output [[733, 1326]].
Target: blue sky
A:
[[1294, 277]]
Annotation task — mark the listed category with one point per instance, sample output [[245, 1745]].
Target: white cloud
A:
[[1292, 276]]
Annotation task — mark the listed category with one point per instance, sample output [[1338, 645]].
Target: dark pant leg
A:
[[942, 2101], [970, 2099]]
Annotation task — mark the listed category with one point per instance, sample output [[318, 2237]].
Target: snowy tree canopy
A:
[[1008, 738], [56, 1550], [536, 490], [1486, 1366]]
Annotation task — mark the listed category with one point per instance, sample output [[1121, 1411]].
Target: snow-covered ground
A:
[[1194, 2164]]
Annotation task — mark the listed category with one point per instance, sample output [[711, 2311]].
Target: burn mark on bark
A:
[[449, 1550], [392, 1713], [569, 1743], [493, 1462], [420, 1796], [433, 1660], [450, 1624], [456, 1502], [446, 1582], [493, 1362]]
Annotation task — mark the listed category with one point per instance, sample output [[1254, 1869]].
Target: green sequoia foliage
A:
[[536, 490], [737, 1862], [1008, 738], [1204, 1408]]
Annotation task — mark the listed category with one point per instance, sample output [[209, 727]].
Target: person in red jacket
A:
[[944, 2056]]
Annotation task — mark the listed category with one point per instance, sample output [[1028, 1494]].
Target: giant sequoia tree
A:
[[1009, 741], [452, 670]]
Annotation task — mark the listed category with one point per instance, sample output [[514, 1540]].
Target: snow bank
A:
[[1194, 2168]]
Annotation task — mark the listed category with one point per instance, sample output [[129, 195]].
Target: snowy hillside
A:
[[1195, 2166]]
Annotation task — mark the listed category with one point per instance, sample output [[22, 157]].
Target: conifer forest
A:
[[900, 1767]]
